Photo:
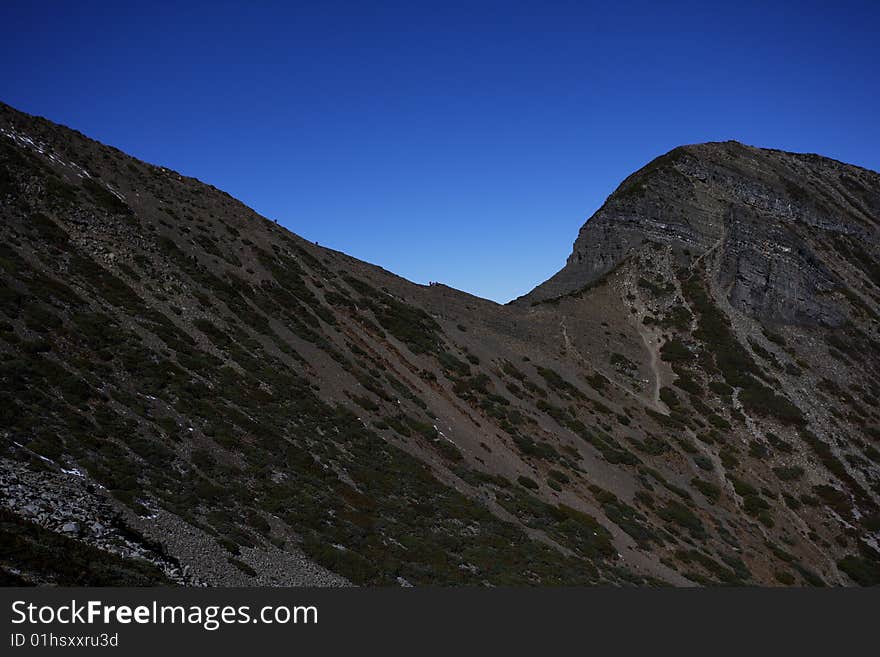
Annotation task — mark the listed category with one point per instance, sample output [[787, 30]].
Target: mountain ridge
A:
[[237, 405]]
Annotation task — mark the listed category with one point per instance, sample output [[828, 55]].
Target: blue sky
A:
[[457, 142]]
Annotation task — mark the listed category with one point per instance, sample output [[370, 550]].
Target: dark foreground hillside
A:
[[190, 393]]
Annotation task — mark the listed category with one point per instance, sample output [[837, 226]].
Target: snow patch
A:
[[39, 147]]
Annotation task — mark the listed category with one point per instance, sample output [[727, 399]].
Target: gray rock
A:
[[750, 209]]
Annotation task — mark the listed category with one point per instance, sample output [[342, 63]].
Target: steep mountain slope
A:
[[692, 400], [786, 230]]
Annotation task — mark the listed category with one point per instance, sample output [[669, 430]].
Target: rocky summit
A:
[[191, 394]]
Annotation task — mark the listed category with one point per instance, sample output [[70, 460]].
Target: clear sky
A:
[[461, 142]]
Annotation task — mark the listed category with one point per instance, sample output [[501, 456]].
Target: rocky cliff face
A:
[[190, 393], [787, 228]]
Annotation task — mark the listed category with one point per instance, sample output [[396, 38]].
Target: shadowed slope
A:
[[273, 412]]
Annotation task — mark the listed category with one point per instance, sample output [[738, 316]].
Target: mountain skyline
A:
[[192, 394], [367, 130]]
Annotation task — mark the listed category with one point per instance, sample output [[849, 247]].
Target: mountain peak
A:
[[733, 200]]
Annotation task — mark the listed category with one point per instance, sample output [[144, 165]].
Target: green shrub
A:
[[448, 449], [784, 577], [709, 490], [861, 570], [679, 514], [675, 351], [527, 482], [789, 473]]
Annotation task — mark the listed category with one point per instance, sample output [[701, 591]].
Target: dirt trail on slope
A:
[[655, 368]]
